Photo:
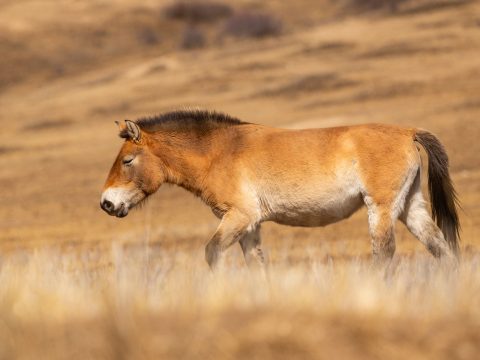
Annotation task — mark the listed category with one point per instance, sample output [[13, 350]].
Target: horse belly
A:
[[322, 205], [319, 215]]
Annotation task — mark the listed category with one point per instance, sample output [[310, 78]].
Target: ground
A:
[[79, 283]]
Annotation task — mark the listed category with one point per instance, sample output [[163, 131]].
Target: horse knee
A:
[[436, 243], [254, 256], [383, 249], [233, 227], [251, 248], [212, 252], [382, 234], [421, 225]]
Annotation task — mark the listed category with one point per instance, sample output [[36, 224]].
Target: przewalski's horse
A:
[[250, 173]]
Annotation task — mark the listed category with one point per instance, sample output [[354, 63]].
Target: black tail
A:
[[443, 196]]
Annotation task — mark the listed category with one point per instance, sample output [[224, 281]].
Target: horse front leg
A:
[[234, 226], [252, 251]]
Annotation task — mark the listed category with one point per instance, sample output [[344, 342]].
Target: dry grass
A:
[[147, 303], [76, 283]]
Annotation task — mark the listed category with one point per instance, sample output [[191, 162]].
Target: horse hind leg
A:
[[382, 215], [419, 222]]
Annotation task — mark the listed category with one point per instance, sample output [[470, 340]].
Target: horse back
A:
[[318, 176]]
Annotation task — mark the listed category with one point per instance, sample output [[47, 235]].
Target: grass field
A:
[[76, 283]]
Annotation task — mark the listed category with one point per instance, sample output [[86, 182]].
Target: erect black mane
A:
[[185, 120]]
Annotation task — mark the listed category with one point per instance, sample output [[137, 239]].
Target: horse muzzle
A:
[[109, 207], [116, 201]]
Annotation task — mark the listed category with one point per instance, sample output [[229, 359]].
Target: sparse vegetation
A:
[[403, 6], [7, 149], [310, 83], [391, 5], [252, 25], [197, 12], [192, 38], [148, 36], [48, 124]]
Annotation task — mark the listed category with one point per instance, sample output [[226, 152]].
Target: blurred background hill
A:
[[69, 69]]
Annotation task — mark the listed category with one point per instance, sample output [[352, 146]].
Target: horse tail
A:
[[444, 200]]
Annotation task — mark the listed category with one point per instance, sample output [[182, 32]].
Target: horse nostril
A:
[[107, 206]]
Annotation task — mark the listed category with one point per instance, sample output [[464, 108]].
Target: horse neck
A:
[[186, 160]]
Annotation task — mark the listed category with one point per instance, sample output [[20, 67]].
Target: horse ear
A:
[[121, 125], [133, 130]]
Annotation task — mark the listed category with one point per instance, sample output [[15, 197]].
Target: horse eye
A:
[[128, 160]]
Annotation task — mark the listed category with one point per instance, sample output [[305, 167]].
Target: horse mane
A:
[[185, 120]]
